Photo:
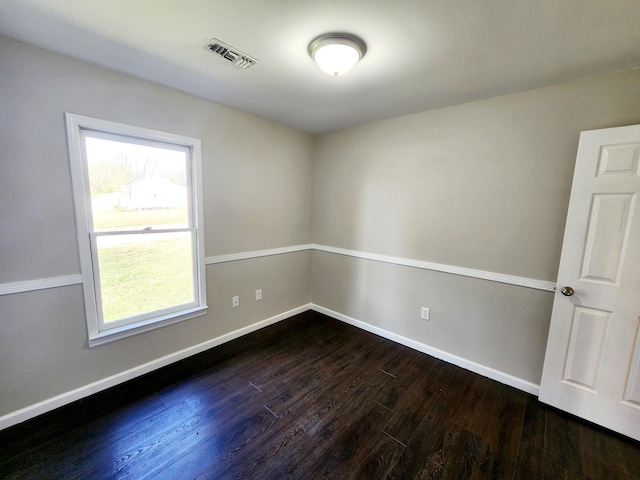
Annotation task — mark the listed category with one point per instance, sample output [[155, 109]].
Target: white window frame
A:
[[99, 332]]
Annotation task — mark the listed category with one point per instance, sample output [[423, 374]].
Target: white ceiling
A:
[[422, 54]]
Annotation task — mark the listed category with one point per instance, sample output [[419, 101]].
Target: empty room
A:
[[373, 239]]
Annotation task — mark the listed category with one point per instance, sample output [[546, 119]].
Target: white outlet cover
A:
[[258, 295], [236, 302], [424, 313]]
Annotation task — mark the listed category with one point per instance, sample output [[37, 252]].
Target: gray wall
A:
[[257, 179], [484, 185]]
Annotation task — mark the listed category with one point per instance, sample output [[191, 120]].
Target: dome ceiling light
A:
[[337, 53]]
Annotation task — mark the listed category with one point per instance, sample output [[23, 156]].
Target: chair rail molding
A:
[[547, 286]]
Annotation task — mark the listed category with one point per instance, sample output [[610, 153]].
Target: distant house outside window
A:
[[138, 206]]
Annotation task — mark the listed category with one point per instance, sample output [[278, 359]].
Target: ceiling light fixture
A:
[[337, 53]]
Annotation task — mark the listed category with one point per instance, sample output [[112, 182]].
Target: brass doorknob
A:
[[567, 291]]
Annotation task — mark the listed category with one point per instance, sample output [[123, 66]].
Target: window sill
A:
[[125, 331]]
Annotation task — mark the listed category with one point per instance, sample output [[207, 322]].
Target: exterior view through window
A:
[[139, 201], [143, 246]]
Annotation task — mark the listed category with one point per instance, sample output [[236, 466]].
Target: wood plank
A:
[[382, 457], [279, 368], [562, 449], [530, 464], [217, 422], [416, 386], [118, 428], [453, 456], [346, 450], [424, 439], [501, 433], [316, 408], [229, 444]]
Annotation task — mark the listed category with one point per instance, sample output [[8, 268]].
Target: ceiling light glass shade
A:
[[337, 53]]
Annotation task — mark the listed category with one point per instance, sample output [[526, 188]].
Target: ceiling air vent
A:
[[235, 56]]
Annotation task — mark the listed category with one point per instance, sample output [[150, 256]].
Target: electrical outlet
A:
[[236, 302], [258, 295], [424, 313]]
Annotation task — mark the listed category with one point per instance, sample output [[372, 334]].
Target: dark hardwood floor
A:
[[313, 398]]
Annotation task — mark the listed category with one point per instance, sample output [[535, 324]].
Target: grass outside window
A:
[[141, 273]]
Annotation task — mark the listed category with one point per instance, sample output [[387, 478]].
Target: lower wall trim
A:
[[52, 403], [474, 367]]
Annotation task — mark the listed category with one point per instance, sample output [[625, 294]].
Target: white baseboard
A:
[[52, 403], [474, 367]]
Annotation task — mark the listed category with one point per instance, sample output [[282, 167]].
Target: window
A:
[[138, 207]]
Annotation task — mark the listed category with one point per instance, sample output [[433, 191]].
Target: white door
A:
[[592, 363]]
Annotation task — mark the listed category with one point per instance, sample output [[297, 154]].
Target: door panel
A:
[[619, 160], [592, 363], [607, 233], [632, 394], [584, 356]]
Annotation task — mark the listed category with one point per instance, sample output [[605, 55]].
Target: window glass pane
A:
[[136, 186], [142, 273]]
